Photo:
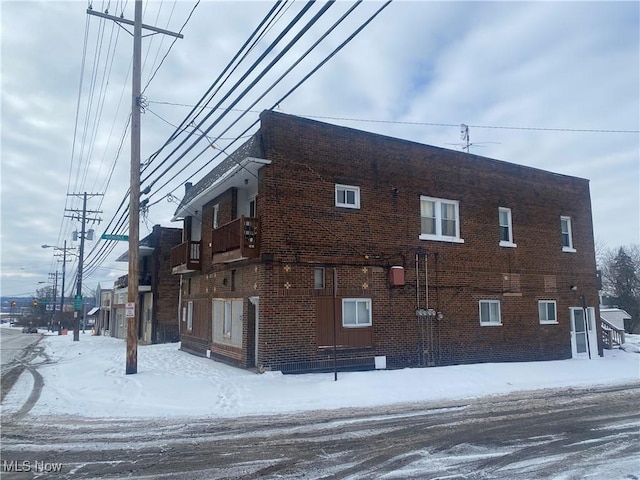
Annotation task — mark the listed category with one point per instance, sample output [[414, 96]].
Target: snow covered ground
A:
[[87, 379]]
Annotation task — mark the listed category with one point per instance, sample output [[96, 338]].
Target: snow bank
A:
[[87, 378]]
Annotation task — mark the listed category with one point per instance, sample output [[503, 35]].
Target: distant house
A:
[[617, 317], [103, 316], [314, 243], [158, 290]]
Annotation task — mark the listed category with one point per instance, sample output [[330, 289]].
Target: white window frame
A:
[[214, 217], [566, 221], [358, 324], [189, 315], [318, 270], [508, 226], [490, 321], [438, 236], [345, 189], [544, 303]]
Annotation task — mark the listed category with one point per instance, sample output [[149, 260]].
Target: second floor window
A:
[[567, 239], [347, 196], [506, 229], [439, 219], [214, 222]]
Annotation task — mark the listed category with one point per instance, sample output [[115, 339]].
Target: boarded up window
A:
[[550, 284], [511, 282], [227, 321], [345, 336]]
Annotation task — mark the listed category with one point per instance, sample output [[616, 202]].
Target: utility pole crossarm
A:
[[132, 23]]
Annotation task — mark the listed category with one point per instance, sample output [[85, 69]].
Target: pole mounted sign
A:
[[109, 236], [77, 302]]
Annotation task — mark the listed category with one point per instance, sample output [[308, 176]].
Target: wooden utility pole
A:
[[82, 216], [134, 189]]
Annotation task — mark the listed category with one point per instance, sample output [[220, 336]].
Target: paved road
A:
[[15, 352], [568, 434]]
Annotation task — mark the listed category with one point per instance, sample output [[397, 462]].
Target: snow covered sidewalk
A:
[[87, 379]]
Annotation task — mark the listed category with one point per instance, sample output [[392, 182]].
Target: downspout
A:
[[180, 311], [419, 317]]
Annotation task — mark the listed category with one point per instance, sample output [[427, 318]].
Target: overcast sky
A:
[[538, 84]]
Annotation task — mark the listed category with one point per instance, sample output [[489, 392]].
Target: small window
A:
[[347, 196], [506, 229], [190, 316], [567, 240], [490, 312], [439, 220], [547, 311], [253, 208], [356, 312], [214, 222], [318, 278], [234, 280]]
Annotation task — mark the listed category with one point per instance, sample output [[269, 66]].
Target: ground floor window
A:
[[356, 312], [490, 312], [547, 311], [189, 316], [227, 321]]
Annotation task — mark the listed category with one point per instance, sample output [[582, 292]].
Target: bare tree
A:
[[620, 271]]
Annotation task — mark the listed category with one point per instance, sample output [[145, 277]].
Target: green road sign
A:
[[109, 236], [77, 302]]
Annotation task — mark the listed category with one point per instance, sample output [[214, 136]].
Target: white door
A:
[[583, 338]]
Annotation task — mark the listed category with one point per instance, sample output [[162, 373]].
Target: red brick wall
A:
[[301, 228], [167, 287], [301, 225]]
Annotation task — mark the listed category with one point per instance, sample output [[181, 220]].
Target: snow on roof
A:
[[613, 314]]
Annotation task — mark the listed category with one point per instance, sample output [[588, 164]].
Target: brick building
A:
[[159, 291], [313, 238]]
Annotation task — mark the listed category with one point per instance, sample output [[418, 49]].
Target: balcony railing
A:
[[123, 281], [185, 257], [236, 240]]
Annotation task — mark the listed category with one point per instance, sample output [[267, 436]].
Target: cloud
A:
[[553, 65]]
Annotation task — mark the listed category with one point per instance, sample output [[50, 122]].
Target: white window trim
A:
[[570, 248], [358, 325], [548, 322], [438, 237], [507, 243], [348, 188], [490, 324]]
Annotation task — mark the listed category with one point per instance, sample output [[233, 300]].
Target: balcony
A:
[[185, 257], [144, 282], [236, 240]]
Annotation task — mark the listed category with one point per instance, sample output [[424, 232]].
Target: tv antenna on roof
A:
[[464, 136]]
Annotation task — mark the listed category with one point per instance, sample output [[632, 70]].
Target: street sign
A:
[[109, 236], [77, 302], [130, 310]]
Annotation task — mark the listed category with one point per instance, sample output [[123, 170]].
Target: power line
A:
[[431, 124]]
